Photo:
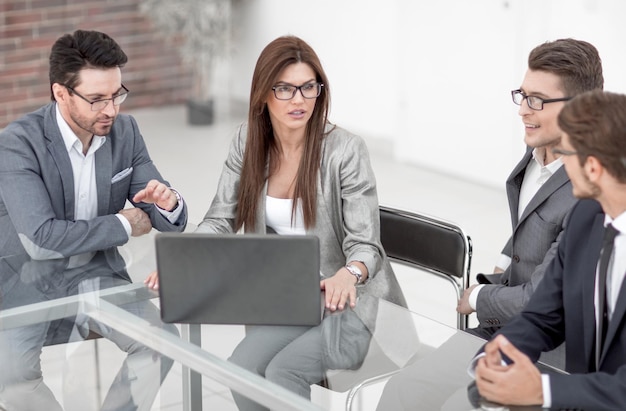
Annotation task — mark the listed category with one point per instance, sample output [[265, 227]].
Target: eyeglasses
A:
[[102, 103], [562, 152], [534, 102], [287, 91]]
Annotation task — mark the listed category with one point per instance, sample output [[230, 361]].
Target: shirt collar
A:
[[619, 222], [539, 156], [69, 137]]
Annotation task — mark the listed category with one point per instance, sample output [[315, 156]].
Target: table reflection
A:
[[356, 345], [27, 284]]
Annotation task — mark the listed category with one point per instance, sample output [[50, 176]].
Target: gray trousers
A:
[[295, 357]]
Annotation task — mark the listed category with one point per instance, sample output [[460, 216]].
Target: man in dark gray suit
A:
[[66, 173], [539, 191]]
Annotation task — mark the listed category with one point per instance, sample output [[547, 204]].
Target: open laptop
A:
[[239, 279]]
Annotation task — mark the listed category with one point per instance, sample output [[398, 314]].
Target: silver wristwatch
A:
[[178, 198], [355, 271]]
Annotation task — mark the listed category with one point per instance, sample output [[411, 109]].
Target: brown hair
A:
[[596, 125], [277, 55], [576, 62]]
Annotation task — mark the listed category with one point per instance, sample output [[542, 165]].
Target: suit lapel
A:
[[589, 285], [616, 320], [514, 185], [324, 218], [260, 224], [323, 222], [58, 152], [556, 181], [104, 171]]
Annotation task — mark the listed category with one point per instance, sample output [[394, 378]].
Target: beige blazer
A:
[[347, 223]]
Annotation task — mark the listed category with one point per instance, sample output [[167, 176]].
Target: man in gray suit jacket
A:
[[66, 173], [539, 191], [540, 198]]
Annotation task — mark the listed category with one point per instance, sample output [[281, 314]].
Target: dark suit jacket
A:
[[37, 194], [562, 309], [532, 246]]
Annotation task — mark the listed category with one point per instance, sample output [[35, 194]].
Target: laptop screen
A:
[[239, 279]]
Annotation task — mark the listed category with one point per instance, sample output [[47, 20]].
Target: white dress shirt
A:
[[617, 264]]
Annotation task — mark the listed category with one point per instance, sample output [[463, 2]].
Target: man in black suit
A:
[[573, 300]]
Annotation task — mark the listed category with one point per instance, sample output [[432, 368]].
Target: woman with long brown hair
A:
[[290, 171]]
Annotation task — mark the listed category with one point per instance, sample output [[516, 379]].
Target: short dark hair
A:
[[595, 122], [576, 62], [73, 52]]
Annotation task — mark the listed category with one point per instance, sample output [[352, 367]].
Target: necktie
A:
[[607, 249]]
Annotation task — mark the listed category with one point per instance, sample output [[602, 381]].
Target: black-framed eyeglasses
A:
[[563, 152], [98, 105], [288, 91], [534, 102]]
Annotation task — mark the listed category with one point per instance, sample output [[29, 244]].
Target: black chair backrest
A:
[[424, 241]]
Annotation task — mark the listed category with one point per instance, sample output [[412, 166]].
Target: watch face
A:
[[354, 270]]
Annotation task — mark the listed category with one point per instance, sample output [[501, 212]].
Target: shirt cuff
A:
[[172, 216], [504, 261], [547, 394], [545, 380], [126, 224], [472, 365], [474, 296]]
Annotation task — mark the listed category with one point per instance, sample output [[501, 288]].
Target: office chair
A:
[[429, 245]]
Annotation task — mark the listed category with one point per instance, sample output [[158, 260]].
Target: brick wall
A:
[[28, 28]]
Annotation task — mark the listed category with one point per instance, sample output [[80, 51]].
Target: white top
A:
[[278, 216]]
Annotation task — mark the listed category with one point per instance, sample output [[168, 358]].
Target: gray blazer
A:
[[37, 191], [347, 219], [535, 239]]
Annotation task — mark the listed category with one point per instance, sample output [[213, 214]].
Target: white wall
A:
[[433, 77]]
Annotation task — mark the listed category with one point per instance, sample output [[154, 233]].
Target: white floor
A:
[[191, 158]]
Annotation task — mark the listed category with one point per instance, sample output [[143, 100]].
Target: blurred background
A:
[[431, 78], [426, 83]]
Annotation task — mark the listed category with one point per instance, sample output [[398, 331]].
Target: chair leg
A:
[[354, 390], [97, 371], [324, 383]]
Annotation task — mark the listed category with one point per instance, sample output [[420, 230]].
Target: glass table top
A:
[[168, 360]]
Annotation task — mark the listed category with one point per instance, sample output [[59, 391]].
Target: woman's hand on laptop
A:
[[152, 281], [339, 289]]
